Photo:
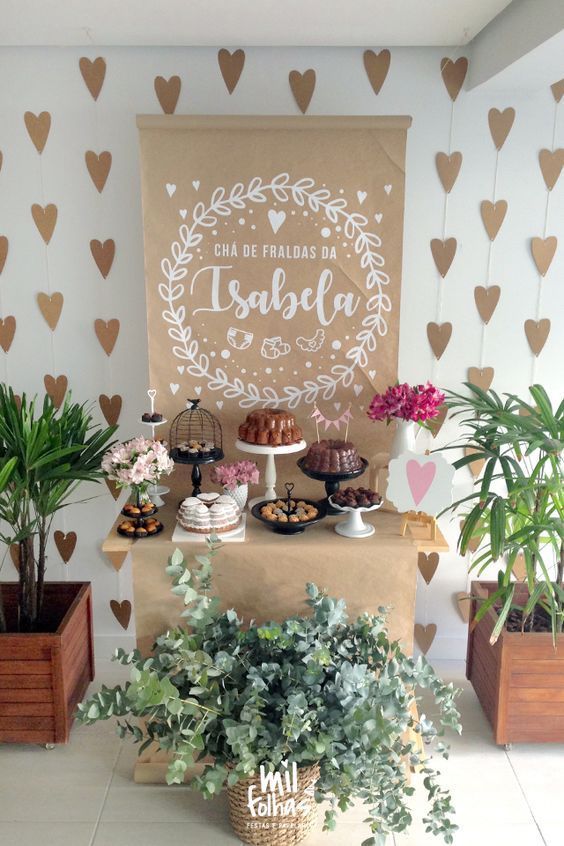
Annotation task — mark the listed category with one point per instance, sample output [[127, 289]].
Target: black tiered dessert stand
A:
[[332, 481]]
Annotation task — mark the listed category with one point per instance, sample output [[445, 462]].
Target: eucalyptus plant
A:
[[45, 453], [316, 688], [517, 505]]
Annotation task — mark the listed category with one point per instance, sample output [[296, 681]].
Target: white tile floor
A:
[[83, 794]]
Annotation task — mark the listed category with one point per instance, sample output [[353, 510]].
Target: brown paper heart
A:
[[454, 74], [117, 557], [7, 331], [121, 611], [500, 125], [65, 544], [231, 67], [439, 336], [1, 159], [476, 466], [543, 250], [98, 167], [486, 300], [111, 408], [93, 74], [103, 254], [15, 555], [113, 488], [424, 636], [377, 66], [537, 332], [50, 307], [464, 604], [303, 86], [448, 168], [481, 376], [107, 332], [168, 92], [551, 164], [520, 568], [38, 127], [45, 220], [557, 89], [493, 215], [427, 565], [436, 423], [443, 254], [473, 543], [3, 251], [56, 388]]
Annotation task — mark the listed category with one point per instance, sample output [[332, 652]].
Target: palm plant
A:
[[45, 453], [517, 506]]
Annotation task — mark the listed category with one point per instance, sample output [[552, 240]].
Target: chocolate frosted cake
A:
[[332, 457], [270, 427]]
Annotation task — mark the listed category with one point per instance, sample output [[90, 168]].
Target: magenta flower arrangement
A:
[[231, 476], [417, 403]]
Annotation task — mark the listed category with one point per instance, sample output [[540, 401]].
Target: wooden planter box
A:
[[519, 681], [44, 676]]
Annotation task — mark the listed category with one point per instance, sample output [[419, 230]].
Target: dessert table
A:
[[264, 577]]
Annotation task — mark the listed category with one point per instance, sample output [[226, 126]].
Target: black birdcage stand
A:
[[195, 425]]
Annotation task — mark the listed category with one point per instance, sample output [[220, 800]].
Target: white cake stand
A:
[[354, 526], [270, 471]]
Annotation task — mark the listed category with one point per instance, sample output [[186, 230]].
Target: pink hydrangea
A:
[[140, 461], [231, 475], [406, 402]]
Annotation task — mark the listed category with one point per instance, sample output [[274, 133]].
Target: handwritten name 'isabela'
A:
[[223, 295]]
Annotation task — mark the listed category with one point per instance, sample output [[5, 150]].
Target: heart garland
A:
[[448, 168], [493, 215], [486, 300], [113, 488], [65, 544], [231, 66], [428, 565], [443, 254], [7, 331], [98, 167], [500, 124], [15, 555], [439, 336], [117, 557], [464, 605], [107, 332], [50, 306], [93, 74], [557, 89], [103, 254], [551, 163], [481, 376], [424, 636], [537, 332], [111, 408], [3, 251], [377, 66], [436, 423], [45, 218], [454, 74], [303, 86], [168, 92], [477, 465], [543, 250], [121, 611], [56, 387], [38, 127]]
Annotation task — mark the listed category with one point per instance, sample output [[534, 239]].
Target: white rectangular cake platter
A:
[[237, 535]]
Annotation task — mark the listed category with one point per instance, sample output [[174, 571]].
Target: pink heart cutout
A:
[[420, 478]]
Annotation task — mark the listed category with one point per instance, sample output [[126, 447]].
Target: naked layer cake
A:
[[209, 514]]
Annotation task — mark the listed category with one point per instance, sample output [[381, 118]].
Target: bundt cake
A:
[[330, 456], [270, 427]]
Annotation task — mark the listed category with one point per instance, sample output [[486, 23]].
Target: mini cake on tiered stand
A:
[[270, 432], [153, 419]]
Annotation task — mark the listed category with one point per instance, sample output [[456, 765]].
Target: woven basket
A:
[[274, 830]]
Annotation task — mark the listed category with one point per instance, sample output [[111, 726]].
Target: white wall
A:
[[49, 79]]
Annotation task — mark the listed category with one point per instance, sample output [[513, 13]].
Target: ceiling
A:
[[245, 23]]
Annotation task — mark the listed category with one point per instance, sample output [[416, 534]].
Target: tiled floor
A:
[[83, 794]]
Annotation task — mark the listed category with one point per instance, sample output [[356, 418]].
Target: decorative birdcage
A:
[[195, 436]]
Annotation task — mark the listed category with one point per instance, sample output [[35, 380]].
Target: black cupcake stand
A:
[[332, 481]]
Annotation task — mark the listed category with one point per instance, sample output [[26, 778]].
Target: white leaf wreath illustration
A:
[[303, 192]]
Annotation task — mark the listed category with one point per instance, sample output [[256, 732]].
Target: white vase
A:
[[404, 438], [239, 494]]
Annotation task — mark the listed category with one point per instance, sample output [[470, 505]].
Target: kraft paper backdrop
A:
[[273, 252]]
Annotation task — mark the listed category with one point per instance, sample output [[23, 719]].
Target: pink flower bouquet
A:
[[231, 476], [418, 403], [137, 463]]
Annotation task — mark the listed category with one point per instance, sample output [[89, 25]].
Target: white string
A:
[[489, 264]]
